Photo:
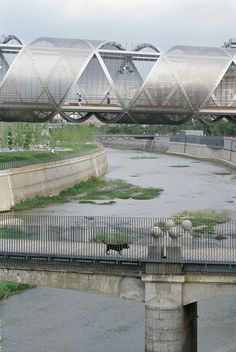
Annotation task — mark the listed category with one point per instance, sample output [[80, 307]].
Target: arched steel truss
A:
[[74, 77]]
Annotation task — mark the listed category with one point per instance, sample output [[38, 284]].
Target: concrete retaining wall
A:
[[163, 144], [48, 178], [203, 152]]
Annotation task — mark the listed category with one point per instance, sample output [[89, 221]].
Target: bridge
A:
[[77, 79], [169, 264]]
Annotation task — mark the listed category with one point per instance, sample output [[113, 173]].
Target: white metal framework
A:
[[79, 78]]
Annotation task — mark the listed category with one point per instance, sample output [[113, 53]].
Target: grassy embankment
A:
[[72, 137], [40, 155], [95, 189]]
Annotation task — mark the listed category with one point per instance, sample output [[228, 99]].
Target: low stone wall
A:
[[49, 178], [203, 152]]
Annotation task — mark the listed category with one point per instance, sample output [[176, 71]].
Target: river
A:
[[58, 320]]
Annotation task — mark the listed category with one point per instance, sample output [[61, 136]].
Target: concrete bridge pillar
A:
[[169, 326]]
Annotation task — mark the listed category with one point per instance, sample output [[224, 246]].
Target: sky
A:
[[163, 23]]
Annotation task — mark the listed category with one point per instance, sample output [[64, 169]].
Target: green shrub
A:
[[112, 238]]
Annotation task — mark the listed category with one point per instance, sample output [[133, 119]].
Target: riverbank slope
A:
[[49, 178]]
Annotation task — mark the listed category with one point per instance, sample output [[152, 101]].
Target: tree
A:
[[9, 139], [27, 138]]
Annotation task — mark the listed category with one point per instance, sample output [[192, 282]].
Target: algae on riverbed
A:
[[204, 219], [8, 288], [91, 190]]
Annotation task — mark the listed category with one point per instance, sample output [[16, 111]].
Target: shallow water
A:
[[56, 320], [59, 320], [193, 187]]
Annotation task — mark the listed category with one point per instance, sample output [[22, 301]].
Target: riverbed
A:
[[188, 184], [58, 320]]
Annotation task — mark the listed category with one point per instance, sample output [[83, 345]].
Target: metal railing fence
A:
[[193, 245], [230, 143], [216, 142]]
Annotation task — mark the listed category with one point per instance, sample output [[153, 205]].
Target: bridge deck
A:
[[28, 238], [113, 108], [142, 253]]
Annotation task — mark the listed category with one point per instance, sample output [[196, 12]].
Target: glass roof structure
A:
[[79, 78]]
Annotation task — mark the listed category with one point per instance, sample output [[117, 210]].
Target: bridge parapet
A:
[[165, 263], [139, 244]]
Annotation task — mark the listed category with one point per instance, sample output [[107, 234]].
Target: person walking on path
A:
[[79, 97], [108, 98]]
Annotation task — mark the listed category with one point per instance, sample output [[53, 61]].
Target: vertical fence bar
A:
[[121, 240]]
